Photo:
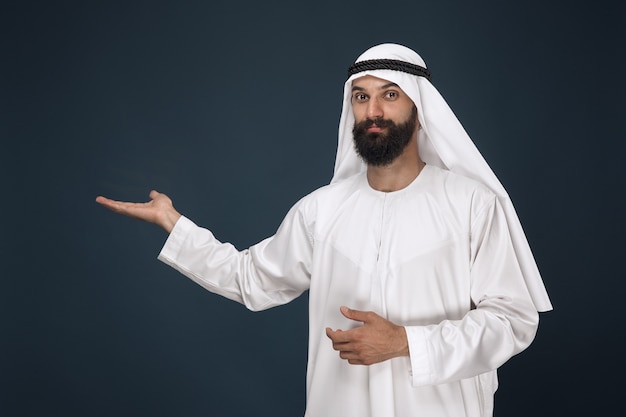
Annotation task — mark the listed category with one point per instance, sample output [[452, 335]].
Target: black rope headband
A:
[[389, 64]]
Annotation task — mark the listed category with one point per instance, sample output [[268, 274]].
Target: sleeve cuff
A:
[[421, 369], [175, 240]]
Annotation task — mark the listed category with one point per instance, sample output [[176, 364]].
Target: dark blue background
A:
[[232, 109]]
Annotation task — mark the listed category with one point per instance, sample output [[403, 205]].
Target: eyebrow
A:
[[357, 88]]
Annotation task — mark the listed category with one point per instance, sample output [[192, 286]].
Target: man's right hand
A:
[[159, 210]]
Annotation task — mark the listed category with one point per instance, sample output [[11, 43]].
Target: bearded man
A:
[[421, 280]]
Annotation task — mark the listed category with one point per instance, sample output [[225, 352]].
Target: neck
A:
[[399, 174]]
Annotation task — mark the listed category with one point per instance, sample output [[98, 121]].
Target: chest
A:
[[391, 230]]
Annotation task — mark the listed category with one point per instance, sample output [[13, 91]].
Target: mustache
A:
[[380, 122]]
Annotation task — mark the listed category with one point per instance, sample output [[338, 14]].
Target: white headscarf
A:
[[442, 142]]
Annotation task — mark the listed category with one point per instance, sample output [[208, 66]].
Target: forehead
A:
[[369, 82]]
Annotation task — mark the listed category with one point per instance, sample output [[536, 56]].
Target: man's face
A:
[[385, 120]]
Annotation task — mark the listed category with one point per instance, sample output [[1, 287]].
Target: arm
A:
[[270, 273], [273, 272], [502, 324]]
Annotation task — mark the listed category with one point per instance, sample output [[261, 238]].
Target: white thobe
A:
[[435, 257]]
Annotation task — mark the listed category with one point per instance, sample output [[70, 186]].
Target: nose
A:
[[374, 110]]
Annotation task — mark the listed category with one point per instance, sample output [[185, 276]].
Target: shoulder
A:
[[334, 191], [328, 198], [456, 182], [453, 180], [459, 189]]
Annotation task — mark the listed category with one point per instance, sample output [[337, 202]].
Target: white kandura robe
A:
[[435, 257]]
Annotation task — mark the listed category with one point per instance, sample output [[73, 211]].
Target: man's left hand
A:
[[377, 340]]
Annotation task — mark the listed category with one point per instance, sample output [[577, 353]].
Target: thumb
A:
[[351, 314]]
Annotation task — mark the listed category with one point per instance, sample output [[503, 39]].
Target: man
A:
[[421, 278]]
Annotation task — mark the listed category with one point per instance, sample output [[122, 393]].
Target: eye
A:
[[359, 97], [391, 95]]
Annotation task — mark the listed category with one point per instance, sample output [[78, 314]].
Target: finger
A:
[[338, 336], [332, 334], [114, 204], [135, 210], [101, 200], [108, 203], [356, 315], [352, 357], [349, 356]]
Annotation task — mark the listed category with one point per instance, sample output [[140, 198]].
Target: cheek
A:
[[359, 114], [408, 114]]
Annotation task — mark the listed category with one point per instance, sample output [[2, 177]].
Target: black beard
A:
[[380, 149]]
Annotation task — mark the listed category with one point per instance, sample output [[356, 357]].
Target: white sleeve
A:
[[270, 273], [502, 324]]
